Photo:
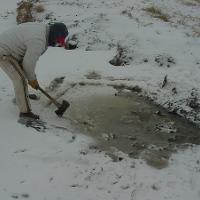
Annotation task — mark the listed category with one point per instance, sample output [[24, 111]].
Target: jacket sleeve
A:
[[34, 50]]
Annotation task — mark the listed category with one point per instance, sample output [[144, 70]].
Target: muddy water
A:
[[130, 123]]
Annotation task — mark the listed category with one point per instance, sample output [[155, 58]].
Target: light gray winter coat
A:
[[25, 43]]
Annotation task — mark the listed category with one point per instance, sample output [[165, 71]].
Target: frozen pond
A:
[[124, 120]]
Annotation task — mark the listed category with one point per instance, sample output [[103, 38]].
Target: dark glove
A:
[[34, 84]]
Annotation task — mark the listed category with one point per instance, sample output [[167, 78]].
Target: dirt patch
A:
[[130, 123], [165, 60], [157, 13], [93, 75], [123, 56]]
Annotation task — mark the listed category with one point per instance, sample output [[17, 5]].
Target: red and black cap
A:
[[57, 34]]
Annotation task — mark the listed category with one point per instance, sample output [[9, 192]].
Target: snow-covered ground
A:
[[155, 49], [50, 165]]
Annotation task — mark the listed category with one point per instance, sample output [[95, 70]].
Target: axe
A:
[[61, 107]]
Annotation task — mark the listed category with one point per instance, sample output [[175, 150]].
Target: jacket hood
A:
[[56, 30]]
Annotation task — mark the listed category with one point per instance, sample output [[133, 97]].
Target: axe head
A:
[[62, 108]]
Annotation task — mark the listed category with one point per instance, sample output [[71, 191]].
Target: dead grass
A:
[[93, 75], [198, 1], [24, 12], [39, 8], [196, 33], [190, 2], [157, 13]]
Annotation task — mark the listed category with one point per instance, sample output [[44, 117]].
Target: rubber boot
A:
[[29, 115]]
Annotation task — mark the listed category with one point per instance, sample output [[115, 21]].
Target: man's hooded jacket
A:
[[27, 42]]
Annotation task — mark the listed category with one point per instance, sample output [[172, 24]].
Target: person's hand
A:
[[34, 84]]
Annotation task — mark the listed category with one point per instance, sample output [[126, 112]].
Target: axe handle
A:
[[48, 96]]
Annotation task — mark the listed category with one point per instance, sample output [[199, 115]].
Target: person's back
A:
[[20, 48], [15, 40]]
